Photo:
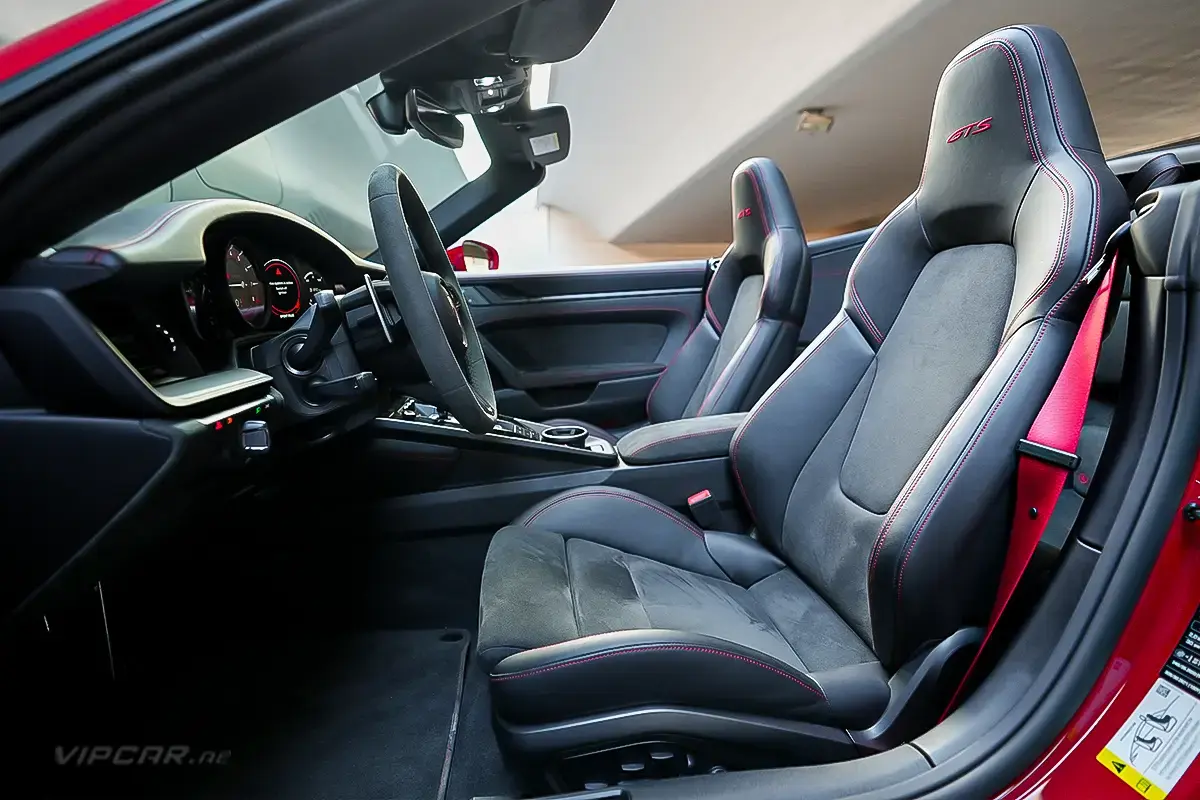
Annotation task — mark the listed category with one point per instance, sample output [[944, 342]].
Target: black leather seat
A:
[[877, 469], [753, 309]]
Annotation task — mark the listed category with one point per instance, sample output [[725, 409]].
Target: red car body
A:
[[1071, 768], [25, 53]]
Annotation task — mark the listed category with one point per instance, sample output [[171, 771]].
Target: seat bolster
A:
[[626, 521], [945, 533], [857, 694], [742, 558], [629, 669], [798, 409], [769, 346]]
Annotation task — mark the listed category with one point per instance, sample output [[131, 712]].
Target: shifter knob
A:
[[327, 318]]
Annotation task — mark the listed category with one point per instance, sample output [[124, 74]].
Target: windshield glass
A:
[[316, 166]]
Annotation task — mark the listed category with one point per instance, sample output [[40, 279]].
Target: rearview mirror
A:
[[432, 121], [473, 256]]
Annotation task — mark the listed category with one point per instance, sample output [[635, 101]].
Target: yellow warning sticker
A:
[[1159, 741], [1123, 770]]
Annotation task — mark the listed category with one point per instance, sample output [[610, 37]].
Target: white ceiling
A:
[[673, 94]]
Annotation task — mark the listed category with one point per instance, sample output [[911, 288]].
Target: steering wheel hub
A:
[[449, 311]]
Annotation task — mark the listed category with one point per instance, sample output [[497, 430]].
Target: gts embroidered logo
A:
[[970, 130], [745, 212]]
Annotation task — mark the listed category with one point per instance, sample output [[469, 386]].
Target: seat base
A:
[[673, 741], [684, 742], [792, 741]]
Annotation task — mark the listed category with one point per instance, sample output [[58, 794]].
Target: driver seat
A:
[[877, 469]]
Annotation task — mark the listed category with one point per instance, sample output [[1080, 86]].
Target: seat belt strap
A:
[[1047, 454]]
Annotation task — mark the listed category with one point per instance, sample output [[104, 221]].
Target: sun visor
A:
[[555, 30]]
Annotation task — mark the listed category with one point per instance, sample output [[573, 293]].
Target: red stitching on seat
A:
[[859, 305], [651, 648], [1063, 137], [979, 434], [600, 492], [681, 437], [926, 462], [804, 358], [674, 356], [1024, 104], [708, 309], [737, 359], [872, 328], [762, 208], [1064, 239]]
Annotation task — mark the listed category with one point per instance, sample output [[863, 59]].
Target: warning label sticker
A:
[[1161, 738]]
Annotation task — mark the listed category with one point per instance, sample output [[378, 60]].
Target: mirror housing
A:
[[474, 256], [388, 114], [432, 121], [545, 133]]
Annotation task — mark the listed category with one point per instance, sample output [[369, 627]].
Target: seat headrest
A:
[[1009, 103], [762, 204], [768, 240]]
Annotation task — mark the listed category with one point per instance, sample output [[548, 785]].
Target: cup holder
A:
[[570, 435]]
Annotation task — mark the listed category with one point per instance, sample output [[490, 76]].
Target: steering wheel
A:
[[431, 303]]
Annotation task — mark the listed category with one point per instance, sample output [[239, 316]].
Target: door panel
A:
[[583, 342]]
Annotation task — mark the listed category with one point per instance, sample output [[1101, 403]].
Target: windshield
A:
[[316, 166]]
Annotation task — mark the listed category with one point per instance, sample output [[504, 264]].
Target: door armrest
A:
[[680, 440]]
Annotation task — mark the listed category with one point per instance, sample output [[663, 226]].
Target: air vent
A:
[[155, 350]]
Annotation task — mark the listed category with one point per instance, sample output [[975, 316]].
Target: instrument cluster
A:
[[247, 287]]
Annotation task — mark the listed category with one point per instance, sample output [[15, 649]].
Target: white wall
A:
[[19, 18], [532, 236]]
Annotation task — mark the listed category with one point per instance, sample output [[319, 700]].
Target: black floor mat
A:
[[359, 716], [478, 768]]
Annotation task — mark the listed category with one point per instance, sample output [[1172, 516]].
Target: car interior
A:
[[754, 307], [318, 525]]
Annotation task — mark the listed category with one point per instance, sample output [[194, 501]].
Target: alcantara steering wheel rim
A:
[[431, 302]]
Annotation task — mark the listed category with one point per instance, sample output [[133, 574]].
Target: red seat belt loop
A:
[[1040, 480]]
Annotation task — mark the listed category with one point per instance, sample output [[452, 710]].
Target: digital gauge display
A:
[[245, 289], [283, 288]]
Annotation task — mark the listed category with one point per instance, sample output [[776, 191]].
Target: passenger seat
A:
[[754, 307]]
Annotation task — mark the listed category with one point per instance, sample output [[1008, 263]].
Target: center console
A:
[[428, 423]]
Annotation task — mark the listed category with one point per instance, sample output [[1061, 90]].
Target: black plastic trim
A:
[[819, 743], [75, 369], [430, 433]]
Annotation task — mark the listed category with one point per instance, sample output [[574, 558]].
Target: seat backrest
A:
[[753, 308], [880, 464]]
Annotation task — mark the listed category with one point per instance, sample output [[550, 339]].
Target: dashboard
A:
[[252, 285], [201, 283]]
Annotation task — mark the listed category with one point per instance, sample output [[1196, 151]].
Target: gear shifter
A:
[[327, 318]]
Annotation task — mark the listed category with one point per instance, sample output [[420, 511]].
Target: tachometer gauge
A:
[[314, 283], [245, 289], [283, 288]]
